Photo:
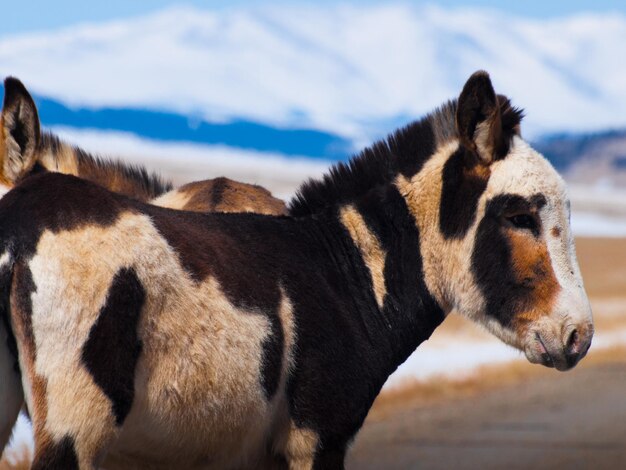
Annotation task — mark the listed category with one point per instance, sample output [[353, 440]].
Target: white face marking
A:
[[526, 173]]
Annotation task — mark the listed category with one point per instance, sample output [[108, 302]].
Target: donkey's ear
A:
[[478, 118], [20, 129]]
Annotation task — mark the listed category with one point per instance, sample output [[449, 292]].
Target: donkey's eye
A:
[[523, 221]]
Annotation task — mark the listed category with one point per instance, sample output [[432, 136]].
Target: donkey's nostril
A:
[[573, 342]]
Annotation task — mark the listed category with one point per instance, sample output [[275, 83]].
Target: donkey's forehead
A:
[[525, 172]]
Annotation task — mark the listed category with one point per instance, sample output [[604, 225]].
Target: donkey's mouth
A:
[[546, 358], [538, 351], [550, 353]]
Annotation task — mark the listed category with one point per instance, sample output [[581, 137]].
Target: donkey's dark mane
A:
[[149, 182], [403, 152]]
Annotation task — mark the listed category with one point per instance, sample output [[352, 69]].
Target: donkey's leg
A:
[[303, 450], [73, 419], [73, 423], [11, 395], [300, 447], [330, 458]]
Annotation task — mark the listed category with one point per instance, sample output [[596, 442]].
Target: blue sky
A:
[[33, 15]]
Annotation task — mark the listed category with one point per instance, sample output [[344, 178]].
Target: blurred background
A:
[[272, 92]]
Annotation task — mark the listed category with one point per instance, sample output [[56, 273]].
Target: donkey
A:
[[217, 340], [25, 150]]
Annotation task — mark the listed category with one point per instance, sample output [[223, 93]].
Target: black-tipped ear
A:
[[478, 118], [20, 126]]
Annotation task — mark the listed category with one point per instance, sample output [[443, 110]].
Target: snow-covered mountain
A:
[[346, 70]]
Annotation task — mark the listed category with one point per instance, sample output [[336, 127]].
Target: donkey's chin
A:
[[537, 353]]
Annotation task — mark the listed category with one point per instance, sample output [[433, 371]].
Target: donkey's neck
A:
[[129, 180], [385, 236]]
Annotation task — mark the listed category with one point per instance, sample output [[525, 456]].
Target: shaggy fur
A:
[[254, 340]]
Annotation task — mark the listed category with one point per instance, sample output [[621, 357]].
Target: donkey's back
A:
[[151, 335]]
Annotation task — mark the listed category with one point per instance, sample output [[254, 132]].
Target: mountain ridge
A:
[[341, 69]]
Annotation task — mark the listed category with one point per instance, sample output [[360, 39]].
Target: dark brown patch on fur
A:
[[272, 361], [56, 456], [478, 104], [532, 267], [329, 458], [225, 195], [219, 185], [556, 232], [205, 247], [512, 266], [22, 288], [6, 277], [54, 202], [461, 189], [113, 347]]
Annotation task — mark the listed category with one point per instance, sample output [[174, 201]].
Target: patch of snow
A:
[[21, 439]]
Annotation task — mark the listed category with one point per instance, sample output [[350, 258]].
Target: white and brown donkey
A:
[[26, 151], [154, 338]]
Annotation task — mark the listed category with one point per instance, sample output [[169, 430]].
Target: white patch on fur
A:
[[5, 258], [423, 194], [198, 399], [525, 172], [173, 199], [369, 246]]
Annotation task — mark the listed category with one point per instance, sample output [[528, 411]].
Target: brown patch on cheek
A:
[[532, 270], [556, 232]]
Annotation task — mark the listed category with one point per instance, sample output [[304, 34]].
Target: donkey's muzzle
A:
[[562, 353]]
